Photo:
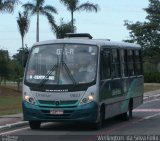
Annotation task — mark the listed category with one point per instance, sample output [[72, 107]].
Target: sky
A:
[[108, 23]]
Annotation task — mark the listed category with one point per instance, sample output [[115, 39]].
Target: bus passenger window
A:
[[138, 62], [130, 63], [105, 64], [124, 66], [115, 63]]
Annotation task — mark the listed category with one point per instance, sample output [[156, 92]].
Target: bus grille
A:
[[48, 104]]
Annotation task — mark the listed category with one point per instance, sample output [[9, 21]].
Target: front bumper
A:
[[85, 113]]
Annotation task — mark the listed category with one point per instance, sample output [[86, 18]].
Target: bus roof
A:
[[98, 42]]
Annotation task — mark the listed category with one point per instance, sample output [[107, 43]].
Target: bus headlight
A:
[[87, 99], [29, 99]]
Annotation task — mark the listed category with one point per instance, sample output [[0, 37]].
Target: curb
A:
[[153, 97], [14, 125]]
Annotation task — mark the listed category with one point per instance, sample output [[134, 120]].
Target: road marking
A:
[[124, 125], [14, 131], [107, 131], [151, 101], [148, 117], [20, 129], [146, 110]]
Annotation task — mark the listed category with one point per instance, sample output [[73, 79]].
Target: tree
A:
[[153, 12], [17, 73], [147, 33], [62, 29], [144, 34], [73, 6], [4, 69], [23, 24], [7, 6], [38, 8], [17, 57]]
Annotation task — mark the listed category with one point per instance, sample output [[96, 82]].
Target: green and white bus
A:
[[81, 80]]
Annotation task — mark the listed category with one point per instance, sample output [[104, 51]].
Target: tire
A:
[[34, 124], [123, 117], [98, 125], [130, 108], [130, 112]]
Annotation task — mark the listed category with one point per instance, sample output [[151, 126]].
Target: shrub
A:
[[152, 77]]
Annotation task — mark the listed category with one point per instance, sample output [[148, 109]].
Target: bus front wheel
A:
[[130, 108], [99, 124], [34, 124]]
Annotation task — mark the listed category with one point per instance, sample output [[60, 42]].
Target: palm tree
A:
[[8, 5], [73, 6], [38, 8], [62, 29], [23, 24]]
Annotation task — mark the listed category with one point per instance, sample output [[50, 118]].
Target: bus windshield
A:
[[61, 64]]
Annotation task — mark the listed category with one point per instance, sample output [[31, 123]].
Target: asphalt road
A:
[[144, 124]]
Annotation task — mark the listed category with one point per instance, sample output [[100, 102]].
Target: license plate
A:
[[56, 112]]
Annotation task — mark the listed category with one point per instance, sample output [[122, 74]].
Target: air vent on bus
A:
[[79, 35]]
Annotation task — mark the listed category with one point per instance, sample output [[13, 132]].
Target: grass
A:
[[10, 101], [151, 87]]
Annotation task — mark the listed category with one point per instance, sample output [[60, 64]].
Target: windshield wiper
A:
[[68, 72], [58, 67], [62, 63], [48, 74]]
